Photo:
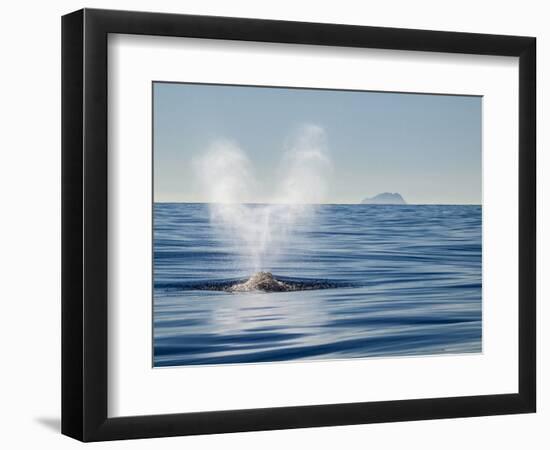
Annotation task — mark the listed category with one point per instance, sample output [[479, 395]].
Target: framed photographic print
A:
[[272, 224]]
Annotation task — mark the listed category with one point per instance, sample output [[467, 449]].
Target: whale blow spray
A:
[[260, 232]]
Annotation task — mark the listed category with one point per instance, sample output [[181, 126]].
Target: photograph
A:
[[296, 224]]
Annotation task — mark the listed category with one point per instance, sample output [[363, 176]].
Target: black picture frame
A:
[[84, 224]]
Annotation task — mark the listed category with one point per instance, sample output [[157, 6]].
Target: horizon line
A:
[[328, 203]]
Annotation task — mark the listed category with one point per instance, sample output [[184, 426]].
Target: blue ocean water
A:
[[403, 280]]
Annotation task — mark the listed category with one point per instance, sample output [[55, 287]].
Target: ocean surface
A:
[[395, 281]]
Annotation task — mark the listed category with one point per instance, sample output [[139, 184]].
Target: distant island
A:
[[386, 198]]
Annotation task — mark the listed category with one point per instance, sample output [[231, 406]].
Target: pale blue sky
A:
[[426, 147]]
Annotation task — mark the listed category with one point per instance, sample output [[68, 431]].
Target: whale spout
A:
[[261, 281]]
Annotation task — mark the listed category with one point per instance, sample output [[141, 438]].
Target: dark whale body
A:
[[262, 281], [265, 282]]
